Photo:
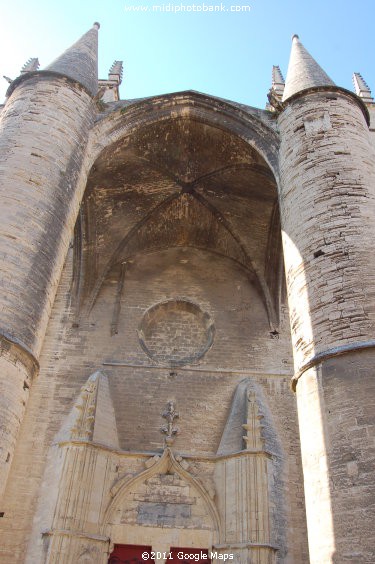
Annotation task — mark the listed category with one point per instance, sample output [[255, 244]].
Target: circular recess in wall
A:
[[176, 332]]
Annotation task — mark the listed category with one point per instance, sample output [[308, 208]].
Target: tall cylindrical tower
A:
[[327, 199], [44, 129]]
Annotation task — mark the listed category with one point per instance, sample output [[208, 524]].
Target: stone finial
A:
[[253, 438], [86, 406], [80, 61], [109, 88], [303, 71], [31, 65], [276, 92], [115, 72], [278, 82], [170, 414], [361, 88]]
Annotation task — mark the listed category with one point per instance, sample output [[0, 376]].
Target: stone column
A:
[[327, 204]]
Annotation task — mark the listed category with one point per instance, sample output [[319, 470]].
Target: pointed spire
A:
[[93, 416], [276, 91], [80, 61], [115, 72], [30, 66], [278, 82], [303, 71], [109, 89], [362, 88]]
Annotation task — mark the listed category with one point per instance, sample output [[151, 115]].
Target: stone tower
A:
[[40, 202], [327, 180], [147, 312]]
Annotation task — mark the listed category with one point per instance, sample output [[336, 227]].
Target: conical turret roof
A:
[[80, 61], [303, 71]]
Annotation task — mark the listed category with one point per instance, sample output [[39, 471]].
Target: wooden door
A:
[[129, 554]]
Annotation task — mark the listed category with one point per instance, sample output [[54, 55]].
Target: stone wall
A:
[[203, 391]]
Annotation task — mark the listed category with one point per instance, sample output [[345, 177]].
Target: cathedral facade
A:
[[187, 327]]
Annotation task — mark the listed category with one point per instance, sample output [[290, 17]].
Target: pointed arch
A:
[[256, 127], [151, 155], [166, 463]]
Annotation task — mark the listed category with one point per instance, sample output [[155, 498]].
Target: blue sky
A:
[[227, 54]]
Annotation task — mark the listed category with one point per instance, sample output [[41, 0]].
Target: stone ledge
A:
[[18, 352], [330, 353]]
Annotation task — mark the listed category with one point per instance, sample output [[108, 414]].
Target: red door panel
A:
[[189, 552], [129, 554]]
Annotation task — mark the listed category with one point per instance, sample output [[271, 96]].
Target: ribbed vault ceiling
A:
[[184, 183]]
